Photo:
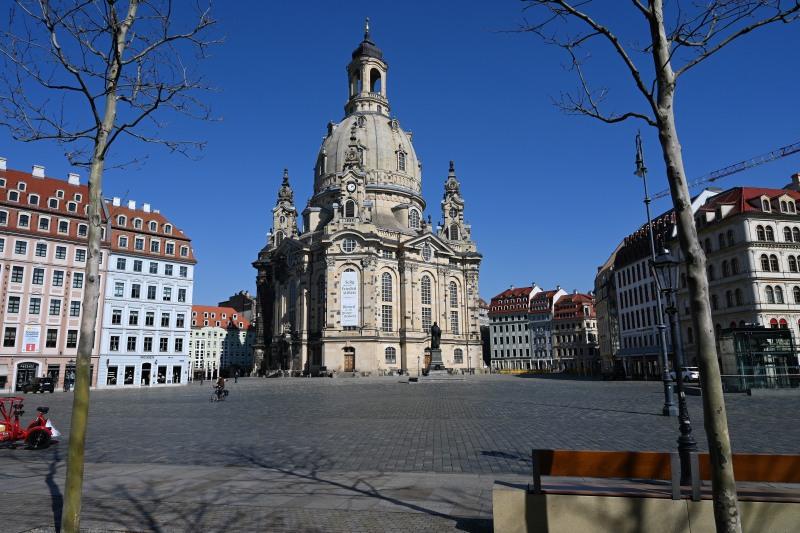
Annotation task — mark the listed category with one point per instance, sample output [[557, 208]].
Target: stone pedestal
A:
[[437, 365]]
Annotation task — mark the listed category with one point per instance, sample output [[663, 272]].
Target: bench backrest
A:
[[604, 464], [760, 467]]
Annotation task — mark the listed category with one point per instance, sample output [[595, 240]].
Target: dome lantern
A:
[[366, 76]]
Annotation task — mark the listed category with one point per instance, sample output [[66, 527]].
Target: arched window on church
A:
[[760, 234], [454, 232], [425, 286], [413, 219], [391, 355], [458, 356], [349, 209], [278, 238], [401, 160], [386, 287], [453, 289], [321, 302], [375, 81]]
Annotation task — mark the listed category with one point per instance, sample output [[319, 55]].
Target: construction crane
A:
[[739, 167]]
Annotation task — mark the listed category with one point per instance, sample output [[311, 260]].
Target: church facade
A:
[[355, 282]]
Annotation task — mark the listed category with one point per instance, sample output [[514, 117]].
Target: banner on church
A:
[[349, 299]]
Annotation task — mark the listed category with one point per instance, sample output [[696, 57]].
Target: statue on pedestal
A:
[[436, 335]]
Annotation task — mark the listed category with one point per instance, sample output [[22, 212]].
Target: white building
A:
[[147, 300], [221, 341]]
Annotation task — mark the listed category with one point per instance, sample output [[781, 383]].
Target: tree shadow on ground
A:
[[362, 487]]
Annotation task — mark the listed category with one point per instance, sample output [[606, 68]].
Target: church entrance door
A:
[[427, 359], [349, 360]]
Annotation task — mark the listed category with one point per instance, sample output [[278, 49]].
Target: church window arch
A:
[[321, 301], [375, 81], [760, 234], [787, 234], [401, 160], [774, 266], [453, 290], [425, 286], [454, 236], [778, 295], [458, 356], [390, 354], [764, 262], [386, 287], [770, 294], [770, 233], [349, 209], [413, 219], [278, 238]]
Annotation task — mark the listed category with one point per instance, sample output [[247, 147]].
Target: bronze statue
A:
[[436, 335]]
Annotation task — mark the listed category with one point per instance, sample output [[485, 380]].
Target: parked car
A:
[[690, 373], [45, 384]]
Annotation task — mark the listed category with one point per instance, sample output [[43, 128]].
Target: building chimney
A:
[[795, 179], [2, 163], [558, 287], [511, 287], [146, 208], [131, 204], [115, 201], [38, 171], [156, 211], [73, 178], [574, 291]]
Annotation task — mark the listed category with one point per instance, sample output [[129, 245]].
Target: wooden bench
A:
[[658, 466]]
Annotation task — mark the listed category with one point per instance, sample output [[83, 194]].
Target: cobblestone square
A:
[[357, 437]]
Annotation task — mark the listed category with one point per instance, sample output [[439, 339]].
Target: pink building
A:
[[43, 233]]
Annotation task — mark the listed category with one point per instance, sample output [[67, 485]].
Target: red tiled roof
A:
[[232, 317], [176, 236], [746, 199], [571, 306]]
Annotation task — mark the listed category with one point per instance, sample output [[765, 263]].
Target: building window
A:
[[35, 306], [120, 263], [133, 318], [148, 344], [168, 270], [738, 294], [41, 249], [426, 319], [163, 344], [63, 226], [386, 318], [454, 322], [3, 218], [116, 316], [726, 271], [17, 273], [183, 271], [728, 298], [149, 318], [729, 237], [151, 292], [55, 307], [136, 290], [458, 356], [426, 290], [58, 278], [348, 245], [770, 233], [119, 289], [734, 266], [61, 253], [137, 265], [787, 234], [770, 295], [710, 273], [760, 234], [180, 319], [778, 295], [153, 226], [764, 262], [453, 289], [123, 241], [20, 247], [164, 320], [178, 345], [83, 230], [167, 295], [75, 308], [390, 355], [51, 340], [792, 264], [153, 267], [72, 338], [131, 344], [386, 287], [184, 251], [77, 280], [401, 161], [10, 337], [24, 220], [122, 220], [80, 255], [113, 343], [155, 246], [413, 219], [44, 224], [138, 244], [774, 266]]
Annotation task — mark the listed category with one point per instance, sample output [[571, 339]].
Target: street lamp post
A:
[[669, 408], [665, 270]]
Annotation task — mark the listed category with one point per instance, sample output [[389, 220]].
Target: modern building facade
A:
[[221, 342], [147, 300], [43, 253], [359, 285]]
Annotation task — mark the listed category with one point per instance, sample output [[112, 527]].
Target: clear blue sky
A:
[[548, 195]]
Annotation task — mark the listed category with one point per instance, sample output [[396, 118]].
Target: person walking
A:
[[236, 376]]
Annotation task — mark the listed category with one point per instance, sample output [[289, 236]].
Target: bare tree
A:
[[90, 74], [676, 42]]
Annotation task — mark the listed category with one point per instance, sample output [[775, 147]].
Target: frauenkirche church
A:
[[358, 288]]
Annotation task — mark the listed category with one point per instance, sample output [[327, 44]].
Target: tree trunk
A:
[[726, 507], [73, 486]]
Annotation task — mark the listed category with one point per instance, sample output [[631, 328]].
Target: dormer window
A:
[[791, 207], [22, 186], [168, 229], [13, 196], [153, 226], [33, 199], [765, 205], [122, 220], [59, 194], [3, 182], [184, 251], [52, 203], [784, 207], [78, 197], [137, 223], [401, 159], [72, 207]]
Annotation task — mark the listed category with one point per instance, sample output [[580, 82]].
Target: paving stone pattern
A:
[[481, 425]]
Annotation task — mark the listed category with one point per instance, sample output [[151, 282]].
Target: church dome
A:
[[386, 153]]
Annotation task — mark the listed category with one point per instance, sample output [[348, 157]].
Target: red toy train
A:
[[37, 435]]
